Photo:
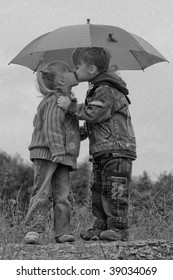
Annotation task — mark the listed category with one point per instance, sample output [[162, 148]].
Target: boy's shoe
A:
[[91, 234], [64, 238], [32, 237], [115, 234]]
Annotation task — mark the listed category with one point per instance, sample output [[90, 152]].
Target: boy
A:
[[112, 142]]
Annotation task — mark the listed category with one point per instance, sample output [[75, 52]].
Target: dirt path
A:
[[98, 250]]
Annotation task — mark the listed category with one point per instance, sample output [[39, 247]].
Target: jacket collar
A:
[[110, 79]]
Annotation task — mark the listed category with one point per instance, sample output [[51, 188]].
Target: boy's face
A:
[[83, 72], [70, 79]]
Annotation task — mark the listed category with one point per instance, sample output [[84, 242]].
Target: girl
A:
[[54, 150]]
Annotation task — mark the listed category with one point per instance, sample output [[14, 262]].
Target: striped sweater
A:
[[55, 134]]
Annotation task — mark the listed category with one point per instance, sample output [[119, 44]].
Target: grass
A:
[[152, 226], [149, 223], [146, 223]]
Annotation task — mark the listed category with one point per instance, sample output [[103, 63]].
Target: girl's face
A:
[[70, 79]]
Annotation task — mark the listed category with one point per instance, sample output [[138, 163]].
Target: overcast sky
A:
[[151, 92]]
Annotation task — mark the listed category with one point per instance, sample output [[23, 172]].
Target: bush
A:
[[16, 179]]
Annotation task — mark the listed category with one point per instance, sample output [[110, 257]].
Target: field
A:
[[150, 211]]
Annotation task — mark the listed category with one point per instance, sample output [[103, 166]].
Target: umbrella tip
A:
[[88, 20]]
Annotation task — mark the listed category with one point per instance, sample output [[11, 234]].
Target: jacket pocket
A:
[[103, 129], [129, 126], [72, 143]]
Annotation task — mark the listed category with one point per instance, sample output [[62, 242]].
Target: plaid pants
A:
[[110, 191]]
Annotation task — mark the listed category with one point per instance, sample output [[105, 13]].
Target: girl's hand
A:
[[63, 102]]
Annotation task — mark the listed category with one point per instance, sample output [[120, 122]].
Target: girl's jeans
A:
[[50, 179], [110, 191]]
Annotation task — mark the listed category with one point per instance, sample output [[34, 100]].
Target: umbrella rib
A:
[[39, 63], [137, 60], [130, 45], [89, 34]]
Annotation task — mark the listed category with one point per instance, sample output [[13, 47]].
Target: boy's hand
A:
[[63, 102]]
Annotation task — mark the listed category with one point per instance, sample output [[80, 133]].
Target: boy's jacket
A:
[[55, 134], [107, 116]]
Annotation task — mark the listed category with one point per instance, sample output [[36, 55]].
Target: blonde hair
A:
[[47, 76]]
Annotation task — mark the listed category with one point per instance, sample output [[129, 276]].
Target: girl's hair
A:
[[48, 74], [92, 56]]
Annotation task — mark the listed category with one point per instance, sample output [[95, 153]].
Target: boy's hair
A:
[[92, 56], [48, 74]]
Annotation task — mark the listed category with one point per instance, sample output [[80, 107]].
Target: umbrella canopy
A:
[[128, 51]]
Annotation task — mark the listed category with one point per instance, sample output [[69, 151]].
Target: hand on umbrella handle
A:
[[63, 102]]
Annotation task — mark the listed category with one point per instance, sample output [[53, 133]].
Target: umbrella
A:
[[128, 51]]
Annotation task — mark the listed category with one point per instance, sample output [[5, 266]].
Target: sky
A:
[[151, 91]]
